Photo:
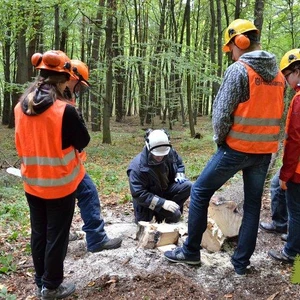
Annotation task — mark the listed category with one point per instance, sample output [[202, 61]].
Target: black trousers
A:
[[50, 225]]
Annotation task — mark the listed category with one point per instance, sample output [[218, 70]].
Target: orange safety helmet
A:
[[81, 71], [54, 60]]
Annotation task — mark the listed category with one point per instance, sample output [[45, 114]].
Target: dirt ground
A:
[[144, 274]]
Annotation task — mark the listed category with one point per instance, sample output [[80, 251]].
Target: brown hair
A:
[[49, 78]]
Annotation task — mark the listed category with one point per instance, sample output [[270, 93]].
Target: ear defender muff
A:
[[148, 131], [242, 41], [167, 133], [36, 59]]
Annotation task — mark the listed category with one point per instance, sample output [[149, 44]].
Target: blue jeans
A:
[[90, 210], [225, 163], [292, 246], [278, 203]]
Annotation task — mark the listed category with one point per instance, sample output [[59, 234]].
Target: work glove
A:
[[180, 178], [170, 206]]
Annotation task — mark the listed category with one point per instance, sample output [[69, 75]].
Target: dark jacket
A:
[[144, 183]]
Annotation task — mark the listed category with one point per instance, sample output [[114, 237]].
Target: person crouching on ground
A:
[[157, 180]]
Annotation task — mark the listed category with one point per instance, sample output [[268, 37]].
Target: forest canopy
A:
[[146, 57]]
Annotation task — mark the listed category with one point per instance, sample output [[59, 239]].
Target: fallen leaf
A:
[[92, 283]]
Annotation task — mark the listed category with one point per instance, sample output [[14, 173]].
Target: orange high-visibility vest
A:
[[287, 122], [256, 124], [47, 171]]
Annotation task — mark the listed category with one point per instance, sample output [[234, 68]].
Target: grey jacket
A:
[[235, 89]]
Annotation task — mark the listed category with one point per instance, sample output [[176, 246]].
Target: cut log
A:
[[225, 215], [152, 235], [212, 238], [223, 221]]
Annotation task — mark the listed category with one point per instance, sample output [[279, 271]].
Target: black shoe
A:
[[110, 244], [270, 227], [284, 237], [281, 256]]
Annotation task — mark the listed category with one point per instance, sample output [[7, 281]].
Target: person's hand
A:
[[283, 184], [180, 178], [170, 206]]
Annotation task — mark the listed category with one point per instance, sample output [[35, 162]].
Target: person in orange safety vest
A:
[[246, 118], [50, 166]]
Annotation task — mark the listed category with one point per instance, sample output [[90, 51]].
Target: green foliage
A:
[[6, 263], [295, 278], [5, 295], [13, 205]]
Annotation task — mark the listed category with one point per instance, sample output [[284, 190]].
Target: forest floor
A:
[[144, 274]]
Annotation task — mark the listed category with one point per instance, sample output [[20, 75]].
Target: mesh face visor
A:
[[82, 85], [160, 150], [80, 88]]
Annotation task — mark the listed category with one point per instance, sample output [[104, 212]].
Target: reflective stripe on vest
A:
[[256, 124], [288, 118], [48, 171], [53, 182], [47, 161]]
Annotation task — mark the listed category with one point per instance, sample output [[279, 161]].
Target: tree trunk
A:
[[56, 27], [95, 99], [188, 77], [64, 33], [118, 50], [6, 97], [155, 63], [259, 14], [109, 73], [21, 76]]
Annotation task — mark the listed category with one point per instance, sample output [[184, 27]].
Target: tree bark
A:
[[95, 100], [109, 73]]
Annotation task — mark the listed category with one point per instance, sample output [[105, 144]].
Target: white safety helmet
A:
[[158, 142]]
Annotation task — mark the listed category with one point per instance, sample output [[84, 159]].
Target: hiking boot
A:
[[284, 237], [270, 227], [281, 256], [63, 291], [110, 244], [178, 256]]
